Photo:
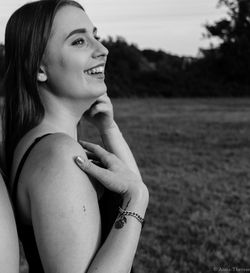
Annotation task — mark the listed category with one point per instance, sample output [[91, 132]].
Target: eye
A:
[[79, 42]]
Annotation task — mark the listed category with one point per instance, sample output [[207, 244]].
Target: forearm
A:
[[118, 251], [115, 143]]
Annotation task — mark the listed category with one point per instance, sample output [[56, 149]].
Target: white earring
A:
[[41, 77]]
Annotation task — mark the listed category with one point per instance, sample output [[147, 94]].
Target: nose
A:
[[100, 50]]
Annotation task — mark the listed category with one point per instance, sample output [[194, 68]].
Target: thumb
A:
[[101, 174]]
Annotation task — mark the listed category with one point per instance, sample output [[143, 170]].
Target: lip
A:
[[99, 76], [98, 65]]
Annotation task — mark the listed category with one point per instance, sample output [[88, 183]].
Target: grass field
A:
[[194, 156]]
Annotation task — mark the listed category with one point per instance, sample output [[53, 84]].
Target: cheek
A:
[[72, 70], [63, 68], [68, 65], [66, 77]]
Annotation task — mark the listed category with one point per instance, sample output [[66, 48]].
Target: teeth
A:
[[99, 69]]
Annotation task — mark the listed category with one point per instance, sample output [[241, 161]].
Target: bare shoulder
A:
[[51, 166], [54, 153], [58, 144]]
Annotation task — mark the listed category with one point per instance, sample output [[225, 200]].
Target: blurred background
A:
[[178, 73], [168, 48]]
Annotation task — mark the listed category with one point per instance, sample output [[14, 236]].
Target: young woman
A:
[[67, 220]]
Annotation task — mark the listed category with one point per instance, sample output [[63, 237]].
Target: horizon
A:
[[168, 25]]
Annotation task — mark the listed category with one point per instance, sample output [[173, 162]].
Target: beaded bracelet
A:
[[122, 218]]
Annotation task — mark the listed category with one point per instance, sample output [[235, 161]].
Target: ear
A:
[[41, 75]]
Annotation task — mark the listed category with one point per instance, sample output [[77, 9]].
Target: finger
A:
[[91, 155], [85, 145], [99, 108], [93, 111], [101, 174], [98, 163], [94, 148], [103, 97], [104, 156], [100, 100]]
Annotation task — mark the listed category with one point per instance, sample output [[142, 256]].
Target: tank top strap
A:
[[21, 164]]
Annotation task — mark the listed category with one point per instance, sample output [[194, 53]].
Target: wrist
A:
[[112, 128], [136, 200]]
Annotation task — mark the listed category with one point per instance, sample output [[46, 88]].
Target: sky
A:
[[175, 26]]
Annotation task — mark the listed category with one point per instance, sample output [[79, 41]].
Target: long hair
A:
[[26, 37]]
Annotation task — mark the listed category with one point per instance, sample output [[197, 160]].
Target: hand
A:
[[115, 175], [101, 114]]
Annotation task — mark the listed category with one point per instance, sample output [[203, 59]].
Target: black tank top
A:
[[108, 204]]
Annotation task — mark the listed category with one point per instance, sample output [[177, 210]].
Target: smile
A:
[[98, 70]]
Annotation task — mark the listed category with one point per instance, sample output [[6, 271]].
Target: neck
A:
[[62, 115], [66, 123]]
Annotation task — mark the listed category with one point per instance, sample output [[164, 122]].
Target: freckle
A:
[[84, 209]]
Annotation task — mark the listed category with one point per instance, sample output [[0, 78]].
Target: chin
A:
[[99, 90]]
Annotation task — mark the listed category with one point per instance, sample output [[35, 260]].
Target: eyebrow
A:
[[79, 30]]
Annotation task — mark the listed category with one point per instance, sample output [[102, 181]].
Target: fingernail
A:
[[79, 160]]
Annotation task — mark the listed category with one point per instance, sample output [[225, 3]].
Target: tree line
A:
[[218, 71]]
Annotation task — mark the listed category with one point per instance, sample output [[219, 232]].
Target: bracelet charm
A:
[[120, 222], [123, 220]]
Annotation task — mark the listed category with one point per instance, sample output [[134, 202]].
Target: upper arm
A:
[[9, 248], [64, 208]]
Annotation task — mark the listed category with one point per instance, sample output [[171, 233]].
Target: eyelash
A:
[[77, 41]]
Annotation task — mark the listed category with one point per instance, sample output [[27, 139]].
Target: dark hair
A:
[[26, 37]]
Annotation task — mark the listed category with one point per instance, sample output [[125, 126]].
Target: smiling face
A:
[[74, 60]]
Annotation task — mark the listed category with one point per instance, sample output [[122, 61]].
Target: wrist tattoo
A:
[[121, 219]]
